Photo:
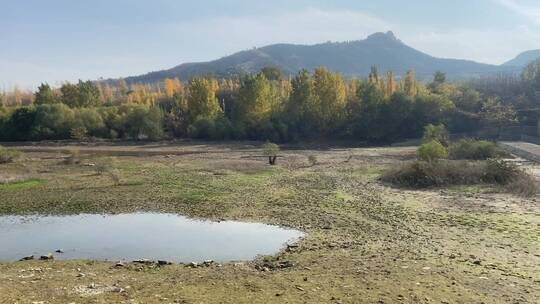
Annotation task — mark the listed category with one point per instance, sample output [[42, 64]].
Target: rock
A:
[[285, 264], [119, 264], [163, 263], [118, 290], [192, 265], [477, 262], [47, 257], [80, 275], [59, 251], [27, 258], [143, 261], [208, 263]]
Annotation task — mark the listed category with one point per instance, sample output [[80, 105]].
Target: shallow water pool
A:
[[126, 237]]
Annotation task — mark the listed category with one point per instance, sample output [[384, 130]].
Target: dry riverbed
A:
[[366, 242]]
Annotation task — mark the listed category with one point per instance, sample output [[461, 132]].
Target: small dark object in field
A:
[[47, 257], [27, 258]]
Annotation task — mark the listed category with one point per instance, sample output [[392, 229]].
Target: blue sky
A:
[[58, 40]]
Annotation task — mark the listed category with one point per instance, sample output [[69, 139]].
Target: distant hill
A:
[[353, 58], [524, 58]]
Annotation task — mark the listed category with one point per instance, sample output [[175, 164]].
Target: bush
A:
[[79, 133], [437, 133], [475, 149], [501, 172], [421, 174], [271, 150], [8, 155], [432, 151]]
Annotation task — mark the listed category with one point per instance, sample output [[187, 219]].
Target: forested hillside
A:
[[351, 59]]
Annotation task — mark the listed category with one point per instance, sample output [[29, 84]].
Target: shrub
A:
[[432, 151], [271, 150], [79, 133], [501, 172], [8, 155], [475, 149], [437, 133], [421, 174], [429, 174]]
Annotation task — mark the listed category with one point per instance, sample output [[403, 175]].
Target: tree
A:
[[296, 107], [201, 100], [271, 150], [373, 75], [328, 110], [172, 87], [45, 95], [496, 114], [531, 74], [409, 84], [272, 73], [257, 98], [83, 94], [390, 84]]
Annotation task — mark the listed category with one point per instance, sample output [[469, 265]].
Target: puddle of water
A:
[[129, 237]]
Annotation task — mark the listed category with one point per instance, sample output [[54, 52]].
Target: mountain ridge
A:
[[351, 58]]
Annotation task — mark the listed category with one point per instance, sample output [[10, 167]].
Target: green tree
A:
[[83, 94], [300, 100], [45, 95], [496, 114], [328, 110], [201, 100], [257, 98]]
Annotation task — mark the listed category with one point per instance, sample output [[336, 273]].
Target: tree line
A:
[[265, 106]]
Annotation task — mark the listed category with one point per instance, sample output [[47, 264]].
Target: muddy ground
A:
[[366, 242]]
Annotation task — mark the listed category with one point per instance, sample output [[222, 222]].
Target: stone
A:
[[163, 263], [47, 257], [59, 251], [27, 258]]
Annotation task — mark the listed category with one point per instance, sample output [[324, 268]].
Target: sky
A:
[[65, 40]]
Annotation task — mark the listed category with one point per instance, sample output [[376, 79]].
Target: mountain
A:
[[353, 58], [523, 59]]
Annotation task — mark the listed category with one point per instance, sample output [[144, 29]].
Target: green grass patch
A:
[[22, 184]]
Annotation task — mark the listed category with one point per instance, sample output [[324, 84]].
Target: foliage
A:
[[474, 149], [82, 94], [420, 174], [311, 105], [201, 100], [8, 155], [432, 151], [45, 95], [79, 133], [271, 150], [436, 133]]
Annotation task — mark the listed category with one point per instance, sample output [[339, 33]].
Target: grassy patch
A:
[[22, 184]]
